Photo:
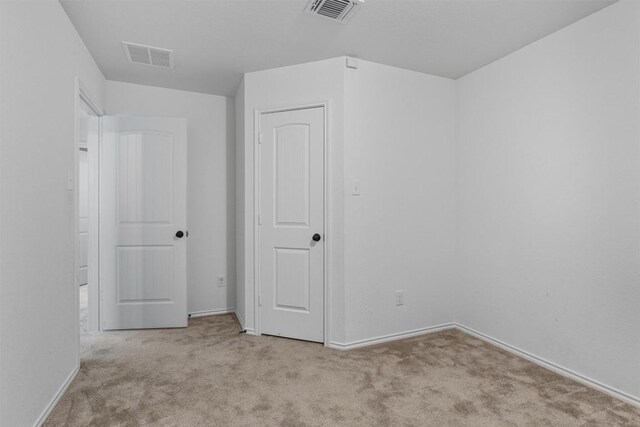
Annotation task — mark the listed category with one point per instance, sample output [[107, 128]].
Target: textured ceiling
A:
[[215, 41]]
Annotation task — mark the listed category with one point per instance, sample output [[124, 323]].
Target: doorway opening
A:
[[86, 230], [84, 113]]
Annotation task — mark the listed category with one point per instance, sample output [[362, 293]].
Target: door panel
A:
[[292, 175], [144, 274], [291, 212], [142, 205], [145, 162], [292, 281]]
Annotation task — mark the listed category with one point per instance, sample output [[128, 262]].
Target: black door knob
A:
[[180, 234], [316, 237]]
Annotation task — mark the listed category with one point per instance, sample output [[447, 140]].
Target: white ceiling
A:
[[215, 41]]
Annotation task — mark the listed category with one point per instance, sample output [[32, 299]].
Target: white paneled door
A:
[[143, 219], [291, 223]]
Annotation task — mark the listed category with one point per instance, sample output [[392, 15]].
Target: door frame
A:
[[257, 286], [83, 96]]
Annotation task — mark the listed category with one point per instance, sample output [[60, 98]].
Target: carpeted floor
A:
[[209, 374]]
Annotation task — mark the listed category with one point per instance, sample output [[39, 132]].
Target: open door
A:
[[143, 219]]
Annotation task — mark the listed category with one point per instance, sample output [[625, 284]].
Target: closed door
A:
[[143, 218], [291, 223]]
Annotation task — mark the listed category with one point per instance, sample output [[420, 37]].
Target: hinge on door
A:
[[259, 300], [259, 219], [259, 138]]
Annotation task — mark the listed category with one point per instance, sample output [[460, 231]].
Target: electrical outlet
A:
[[221, 281], [399, 297]]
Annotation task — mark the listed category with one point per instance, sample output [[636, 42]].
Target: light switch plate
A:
[[355, 187], [399, 297], [221, 281]]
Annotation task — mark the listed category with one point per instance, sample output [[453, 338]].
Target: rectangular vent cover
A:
[[335, 10], [148, 55]]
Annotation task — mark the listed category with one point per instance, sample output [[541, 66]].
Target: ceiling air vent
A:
[[336, 10], [148, 55]]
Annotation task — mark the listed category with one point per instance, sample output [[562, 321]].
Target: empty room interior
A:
[[319, 212]]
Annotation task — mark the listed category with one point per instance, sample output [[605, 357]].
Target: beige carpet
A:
[[208, 374]]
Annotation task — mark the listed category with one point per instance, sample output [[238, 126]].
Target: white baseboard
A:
[[212, 312], [54, 401], [553, 367], [390, 337]]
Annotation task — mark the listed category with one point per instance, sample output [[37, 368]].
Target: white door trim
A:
[[82, 95], [257, 114]]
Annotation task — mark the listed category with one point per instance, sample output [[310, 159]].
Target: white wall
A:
[[240, 208], [283, 87], [41, 56], [400, 232], [211, 177], [394, 130], [548, 173], [548, 201]]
